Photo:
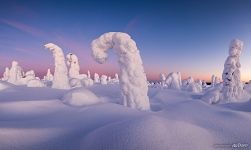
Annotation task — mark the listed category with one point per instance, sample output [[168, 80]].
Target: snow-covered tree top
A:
[[235, 47], [121, 42]]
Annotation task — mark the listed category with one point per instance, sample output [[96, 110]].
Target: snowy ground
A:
[[37, 119]]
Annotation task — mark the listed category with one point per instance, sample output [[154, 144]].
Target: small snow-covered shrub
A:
[[87, 82], [103, 79], [80, 97], [75, 83]]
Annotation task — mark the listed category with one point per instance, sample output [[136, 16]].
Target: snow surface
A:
[[4, 85], [39, 119]]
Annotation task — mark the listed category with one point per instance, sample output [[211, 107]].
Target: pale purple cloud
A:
[[24, 27]]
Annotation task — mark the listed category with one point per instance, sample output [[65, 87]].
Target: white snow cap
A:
[[60, 80], [73, 64], [232, 86], [132, 77]]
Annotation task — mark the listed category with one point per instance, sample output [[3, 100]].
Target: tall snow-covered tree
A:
[[60, 79], [132, 77], [232, 86]]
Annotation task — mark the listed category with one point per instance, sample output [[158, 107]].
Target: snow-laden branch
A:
[[132, 77]]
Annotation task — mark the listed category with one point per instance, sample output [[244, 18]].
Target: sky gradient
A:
[[187, 36]]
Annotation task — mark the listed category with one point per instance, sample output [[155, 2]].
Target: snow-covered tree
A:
[[132, 77], [214, 80], [163, 79], [191, 85], [96, 78], [232, 86], [73, 65], [60, 79], [187, 82], [116, 78], [88, 74], [103, 79], [6, 74], [49, 76], [173, 80], [16, 73]]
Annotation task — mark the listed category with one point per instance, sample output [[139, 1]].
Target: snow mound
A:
[[4, 85], [149, 133], [80, 97]]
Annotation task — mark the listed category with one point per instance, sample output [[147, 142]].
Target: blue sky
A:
[[187, 36]]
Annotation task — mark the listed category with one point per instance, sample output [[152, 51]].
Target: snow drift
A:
[[80, 97], [132, 76]]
